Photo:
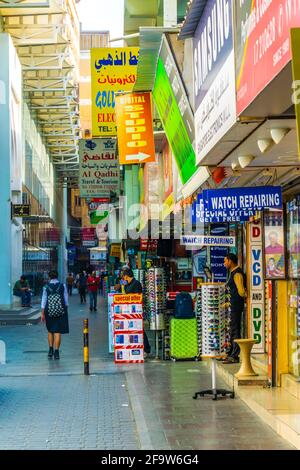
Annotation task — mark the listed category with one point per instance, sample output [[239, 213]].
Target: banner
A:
[[135, 128], [174, 126], [262, 43], [99, 171], [113, 70], [295, 39], [214, 76], [240, 199], [89, 237], [201, 215]]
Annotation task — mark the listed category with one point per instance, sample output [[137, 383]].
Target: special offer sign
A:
[[263, 44]]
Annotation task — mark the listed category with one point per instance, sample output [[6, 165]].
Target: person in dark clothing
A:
[[70, 282], [133, 286], [56, 325], [237, 288], [22, 290], [82, 286]]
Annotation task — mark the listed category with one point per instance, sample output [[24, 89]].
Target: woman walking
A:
[[55, 313]]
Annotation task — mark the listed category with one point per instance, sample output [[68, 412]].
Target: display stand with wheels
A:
[[213, 333]]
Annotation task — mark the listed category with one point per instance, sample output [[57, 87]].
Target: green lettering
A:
[[256, 313], [257, 325]]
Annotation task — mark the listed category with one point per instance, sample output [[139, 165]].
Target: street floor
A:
[[52, 405]]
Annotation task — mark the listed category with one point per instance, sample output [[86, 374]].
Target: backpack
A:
[[184, 306], [55, 300]]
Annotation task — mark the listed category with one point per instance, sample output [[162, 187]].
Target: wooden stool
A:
[[246, 366]]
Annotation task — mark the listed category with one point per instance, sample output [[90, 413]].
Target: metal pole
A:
[[86, 347], [213, 374]]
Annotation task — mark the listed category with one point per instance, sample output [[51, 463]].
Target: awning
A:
[[46, 36], [193, 15]]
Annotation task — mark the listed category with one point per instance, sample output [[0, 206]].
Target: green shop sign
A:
[[173, 123]]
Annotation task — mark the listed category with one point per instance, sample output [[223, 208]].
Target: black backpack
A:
[[184, 306], [56, 306]]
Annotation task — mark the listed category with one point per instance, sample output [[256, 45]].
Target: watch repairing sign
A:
[[214, 76], [99, 171], [243, 199]]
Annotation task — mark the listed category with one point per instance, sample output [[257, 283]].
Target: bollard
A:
[[86, 347]]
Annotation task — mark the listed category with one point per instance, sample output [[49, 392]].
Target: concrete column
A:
[[11, 161], [170, 13], [63, 252]]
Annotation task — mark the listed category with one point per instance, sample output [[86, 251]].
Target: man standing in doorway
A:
[[237, 288]]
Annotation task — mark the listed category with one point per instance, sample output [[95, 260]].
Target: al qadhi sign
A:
[[135, 128]]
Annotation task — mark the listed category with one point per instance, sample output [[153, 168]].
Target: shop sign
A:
[[135, 128], [218, 253], [295, 39], [173, 123], [214, 76], [274, 251], [208, 240], [256, 301], [263, 44], [98, 255], [115, 250], [99, 171], [243, 199], [88, 237], [184, 263], [20, 210], [178, 88], [200, 215], [146, 244], [113, 70]]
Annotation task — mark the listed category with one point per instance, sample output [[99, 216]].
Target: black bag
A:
[[55, 300], [184, 306]]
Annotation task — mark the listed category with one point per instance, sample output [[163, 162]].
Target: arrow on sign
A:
[[139, 156]]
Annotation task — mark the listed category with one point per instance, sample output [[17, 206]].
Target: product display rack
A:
[[156, 294], [213, 331], [198, 312]]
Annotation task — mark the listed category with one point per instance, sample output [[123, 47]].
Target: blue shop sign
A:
[[200, 215], [242, 199]]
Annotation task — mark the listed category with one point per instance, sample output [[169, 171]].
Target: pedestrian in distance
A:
[[22, 290], [55, 313], [237, 287], [93, 286], [81, 286], [70, 282]]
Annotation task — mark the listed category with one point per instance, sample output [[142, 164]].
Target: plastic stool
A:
[[246, 368]]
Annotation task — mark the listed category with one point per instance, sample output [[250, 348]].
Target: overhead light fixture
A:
[[235, 166], [264, 144], [245, 160], [278, 134]]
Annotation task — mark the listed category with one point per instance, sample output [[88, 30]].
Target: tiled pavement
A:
[[51, 405]]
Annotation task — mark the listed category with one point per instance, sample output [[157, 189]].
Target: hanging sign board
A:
[[255, 272], [239, 199], [20, 210], [208, 240], [113, 70], [99, 173], [135, 128]]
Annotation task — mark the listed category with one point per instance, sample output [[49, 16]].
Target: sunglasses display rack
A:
[[199, 318], [140, 275], [156, 293], [213, 319], [213, 329]]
